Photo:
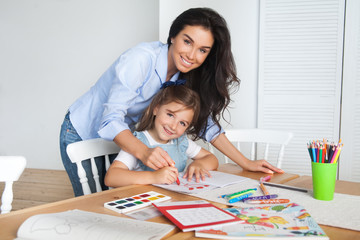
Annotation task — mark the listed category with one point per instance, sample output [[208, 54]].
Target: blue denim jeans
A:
[[69, 135]]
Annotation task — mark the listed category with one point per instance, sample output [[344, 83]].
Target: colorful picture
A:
[[270, 221]]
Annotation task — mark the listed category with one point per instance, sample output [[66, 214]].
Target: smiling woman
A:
[[189, 49], [198, 49]]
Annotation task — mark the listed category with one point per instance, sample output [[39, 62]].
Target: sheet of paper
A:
[[221, 179], [77, 224], [342, 211], [144, 214], [217, 179], [193, 216]]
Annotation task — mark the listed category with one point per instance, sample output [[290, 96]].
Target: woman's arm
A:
[[223, 144], [203, 162], [154, 158], [119, 175], [131, 83]]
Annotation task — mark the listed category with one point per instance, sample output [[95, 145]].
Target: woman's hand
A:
[[223, 144], [165, 175], [261, 166], [157, 158], [154, 158]]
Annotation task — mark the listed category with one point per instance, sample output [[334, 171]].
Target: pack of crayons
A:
[[323, 151]]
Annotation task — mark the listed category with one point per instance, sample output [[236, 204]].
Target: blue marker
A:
[[233, 200]]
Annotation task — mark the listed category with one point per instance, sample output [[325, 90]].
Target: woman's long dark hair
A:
[[214, 78]]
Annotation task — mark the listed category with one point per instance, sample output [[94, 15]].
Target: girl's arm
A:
[[119, 175], [203, 162], [155, 158], [223, 144]]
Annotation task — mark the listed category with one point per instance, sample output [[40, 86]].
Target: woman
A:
[[198, 49]]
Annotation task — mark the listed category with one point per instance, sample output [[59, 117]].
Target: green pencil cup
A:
[[324, 177]]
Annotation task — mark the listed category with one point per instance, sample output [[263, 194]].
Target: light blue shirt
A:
[[117, 100]]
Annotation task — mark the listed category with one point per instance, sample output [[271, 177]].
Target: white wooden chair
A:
[[11, 168], [256, 137], [89, 149]]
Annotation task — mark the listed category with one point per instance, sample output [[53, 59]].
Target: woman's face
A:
[[190, 48]]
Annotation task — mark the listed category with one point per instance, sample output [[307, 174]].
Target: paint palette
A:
[[135, 202]]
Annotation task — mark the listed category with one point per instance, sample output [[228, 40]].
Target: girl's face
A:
[[189, 48], [171, 121]]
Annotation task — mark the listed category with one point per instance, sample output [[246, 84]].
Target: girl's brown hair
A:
[[179, 94]]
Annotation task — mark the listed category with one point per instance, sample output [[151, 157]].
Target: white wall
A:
[[51, 52]]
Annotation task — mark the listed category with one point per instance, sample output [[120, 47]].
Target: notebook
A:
[[196, 215]]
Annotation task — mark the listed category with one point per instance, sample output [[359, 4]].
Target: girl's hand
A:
[[166, 175], [262, 166], [197, 170], [157, 158]]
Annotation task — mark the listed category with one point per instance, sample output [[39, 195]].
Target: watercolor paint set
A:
[[135, 202]]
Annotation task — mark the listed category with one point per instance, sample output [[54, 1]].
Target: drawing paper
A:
[[217, 180], [77, 225], [342, 211]]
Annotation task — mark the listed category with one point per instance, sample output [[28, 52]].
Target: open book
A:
[[77, 225], [285, 221], [217, 180]]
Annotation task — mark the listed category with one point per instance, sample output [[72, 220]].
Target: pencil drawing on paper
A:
[[77, 224]]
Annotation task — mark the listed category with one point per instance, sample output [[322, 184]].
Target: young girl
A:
[[165, 123]]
